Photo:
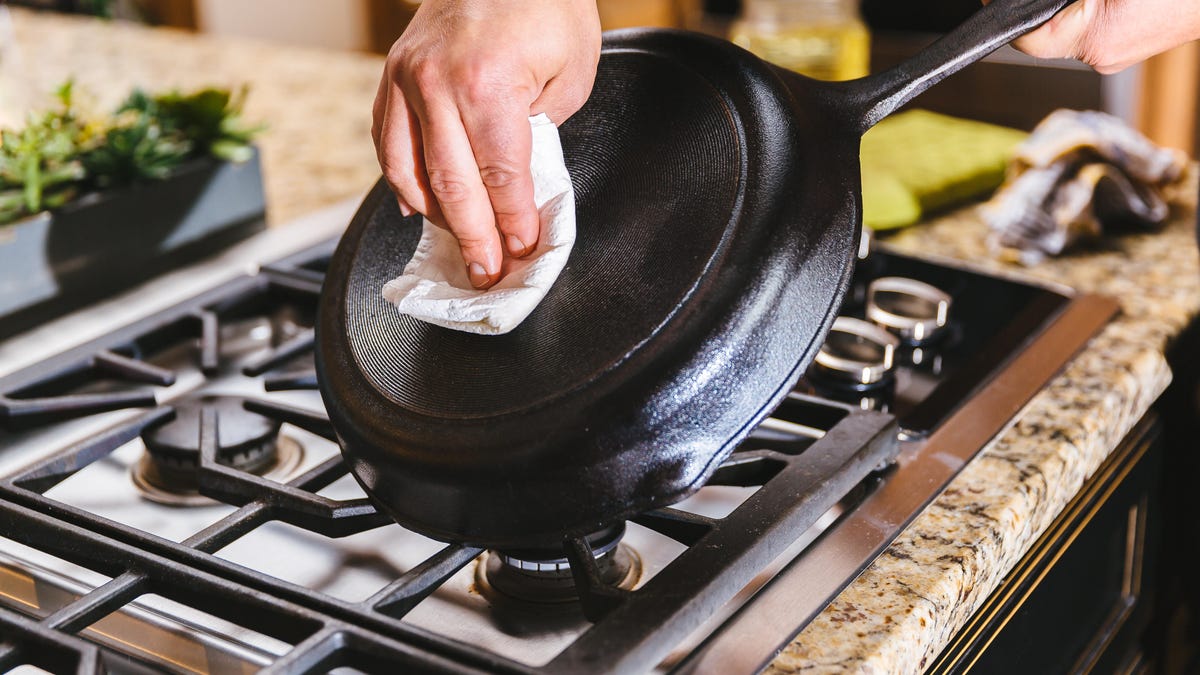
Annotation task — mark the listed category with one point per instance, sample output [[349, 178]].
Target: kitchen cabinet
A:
[[1082, 599]]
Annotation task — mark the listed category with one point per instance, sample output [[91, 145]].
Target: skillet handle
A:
[[871, 99]]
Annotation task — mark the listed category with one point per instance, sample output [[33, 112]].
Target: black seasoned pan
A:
[[718, 216]]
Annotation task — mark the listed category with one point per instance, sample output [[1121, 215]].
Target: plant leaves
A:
[[56, 156]]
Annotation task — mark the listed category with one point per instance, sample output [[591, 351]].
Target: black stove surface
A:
[[815, 456], [991, 319]]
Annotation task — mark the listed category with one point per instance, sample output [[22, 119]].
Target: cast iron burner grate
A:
[[801, 476], [816, 453], [810, 456], [112, 372]]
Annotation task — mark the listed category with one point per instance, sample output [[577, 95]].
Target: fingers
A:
[[502, 144], [456, 185], [397, 145], [474, 182], [450, 117]]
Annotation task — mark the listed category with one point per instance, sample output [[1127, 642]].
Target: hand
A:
[[451, 117], [1111, 35]]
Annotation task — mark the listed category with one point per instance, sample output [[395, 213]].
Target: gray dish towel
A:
[[1077, 176]]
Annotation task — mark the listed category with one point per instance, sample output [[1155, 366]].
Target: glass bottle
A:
[[824, 39]]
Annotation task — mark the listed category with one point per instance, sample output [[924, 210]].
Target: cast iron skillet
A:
[[718, 215]]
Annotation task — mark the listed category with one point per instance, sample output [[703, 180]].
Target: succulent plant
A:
[[55, 156], [39, 164]]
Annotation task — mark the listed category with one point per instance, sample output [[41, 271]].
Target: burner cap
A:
[[914, 310], [856, 353], [245, 440], [168, 471]]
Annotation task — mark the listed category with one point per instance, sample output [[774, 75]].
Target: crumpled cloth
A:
[[1077, 176], [434, 286]]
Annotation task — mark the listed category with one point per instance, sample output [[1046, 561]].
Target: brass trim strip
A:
[[1131, 582]]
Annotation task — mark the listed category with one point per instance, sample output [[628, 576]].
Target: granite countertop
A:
[[906, 607]]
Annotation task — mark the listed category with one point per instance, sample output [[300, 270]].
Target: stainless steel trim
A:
[[857, 370], [138, 629], [765, 625], [914, 328]]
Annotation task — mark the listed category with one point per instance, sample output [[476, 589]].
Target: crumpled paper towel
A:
[[1076, 175], [434, 286]]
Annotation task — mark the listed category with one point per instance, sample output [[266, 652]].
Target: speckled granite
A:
[[317, 149], [903, 610]]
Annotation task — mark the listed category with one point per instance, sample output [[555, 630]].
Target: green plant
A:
[[210, 118], [136, 147], [56, 156], [39, 164]]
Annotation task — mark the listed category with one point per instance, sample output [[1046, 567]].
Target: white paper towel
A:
[[434, 286]]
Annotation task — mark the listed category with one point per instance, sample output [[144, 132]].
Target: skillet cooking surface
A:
[[655, 189], [708, 264]]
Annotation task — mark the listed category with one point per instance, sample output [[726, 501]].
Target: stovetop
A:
[[173, 499]]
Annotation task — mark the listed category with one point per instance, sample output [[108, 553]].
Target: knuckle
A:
[[447, 187], [577, 98], [396, 174], [499, 176], [471, 242], [487, 80], [467, 240], [398, 49], [424, 73], [478, 90], [1099, 57], [389, 165], [481, 82]]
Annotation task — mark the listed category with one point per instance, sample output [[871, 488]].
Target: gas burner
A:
[[914, 310], [857, 355], [543, 577], [247, 441]]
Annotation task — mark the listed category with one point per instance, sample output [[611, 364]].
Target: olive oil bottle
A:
[[824, 39]]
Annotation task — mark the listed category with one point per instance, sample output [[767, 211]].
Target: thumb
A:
[[1061, 37]]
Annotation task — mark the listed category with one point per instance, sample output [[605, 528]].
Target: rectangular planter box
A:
[[55, 262]]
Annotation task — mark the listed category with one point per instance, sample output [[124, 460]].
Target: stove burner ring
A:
[[856, 353], [247, 441], [552, 561], [538, 578], [914, 310]]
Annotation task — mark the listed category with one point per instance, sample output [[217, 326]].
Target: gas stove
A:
[[173, 498]]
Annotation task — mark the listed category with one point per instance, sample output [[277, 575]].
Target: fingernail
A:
[[406, 210], [478, 275], [515, 245]]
